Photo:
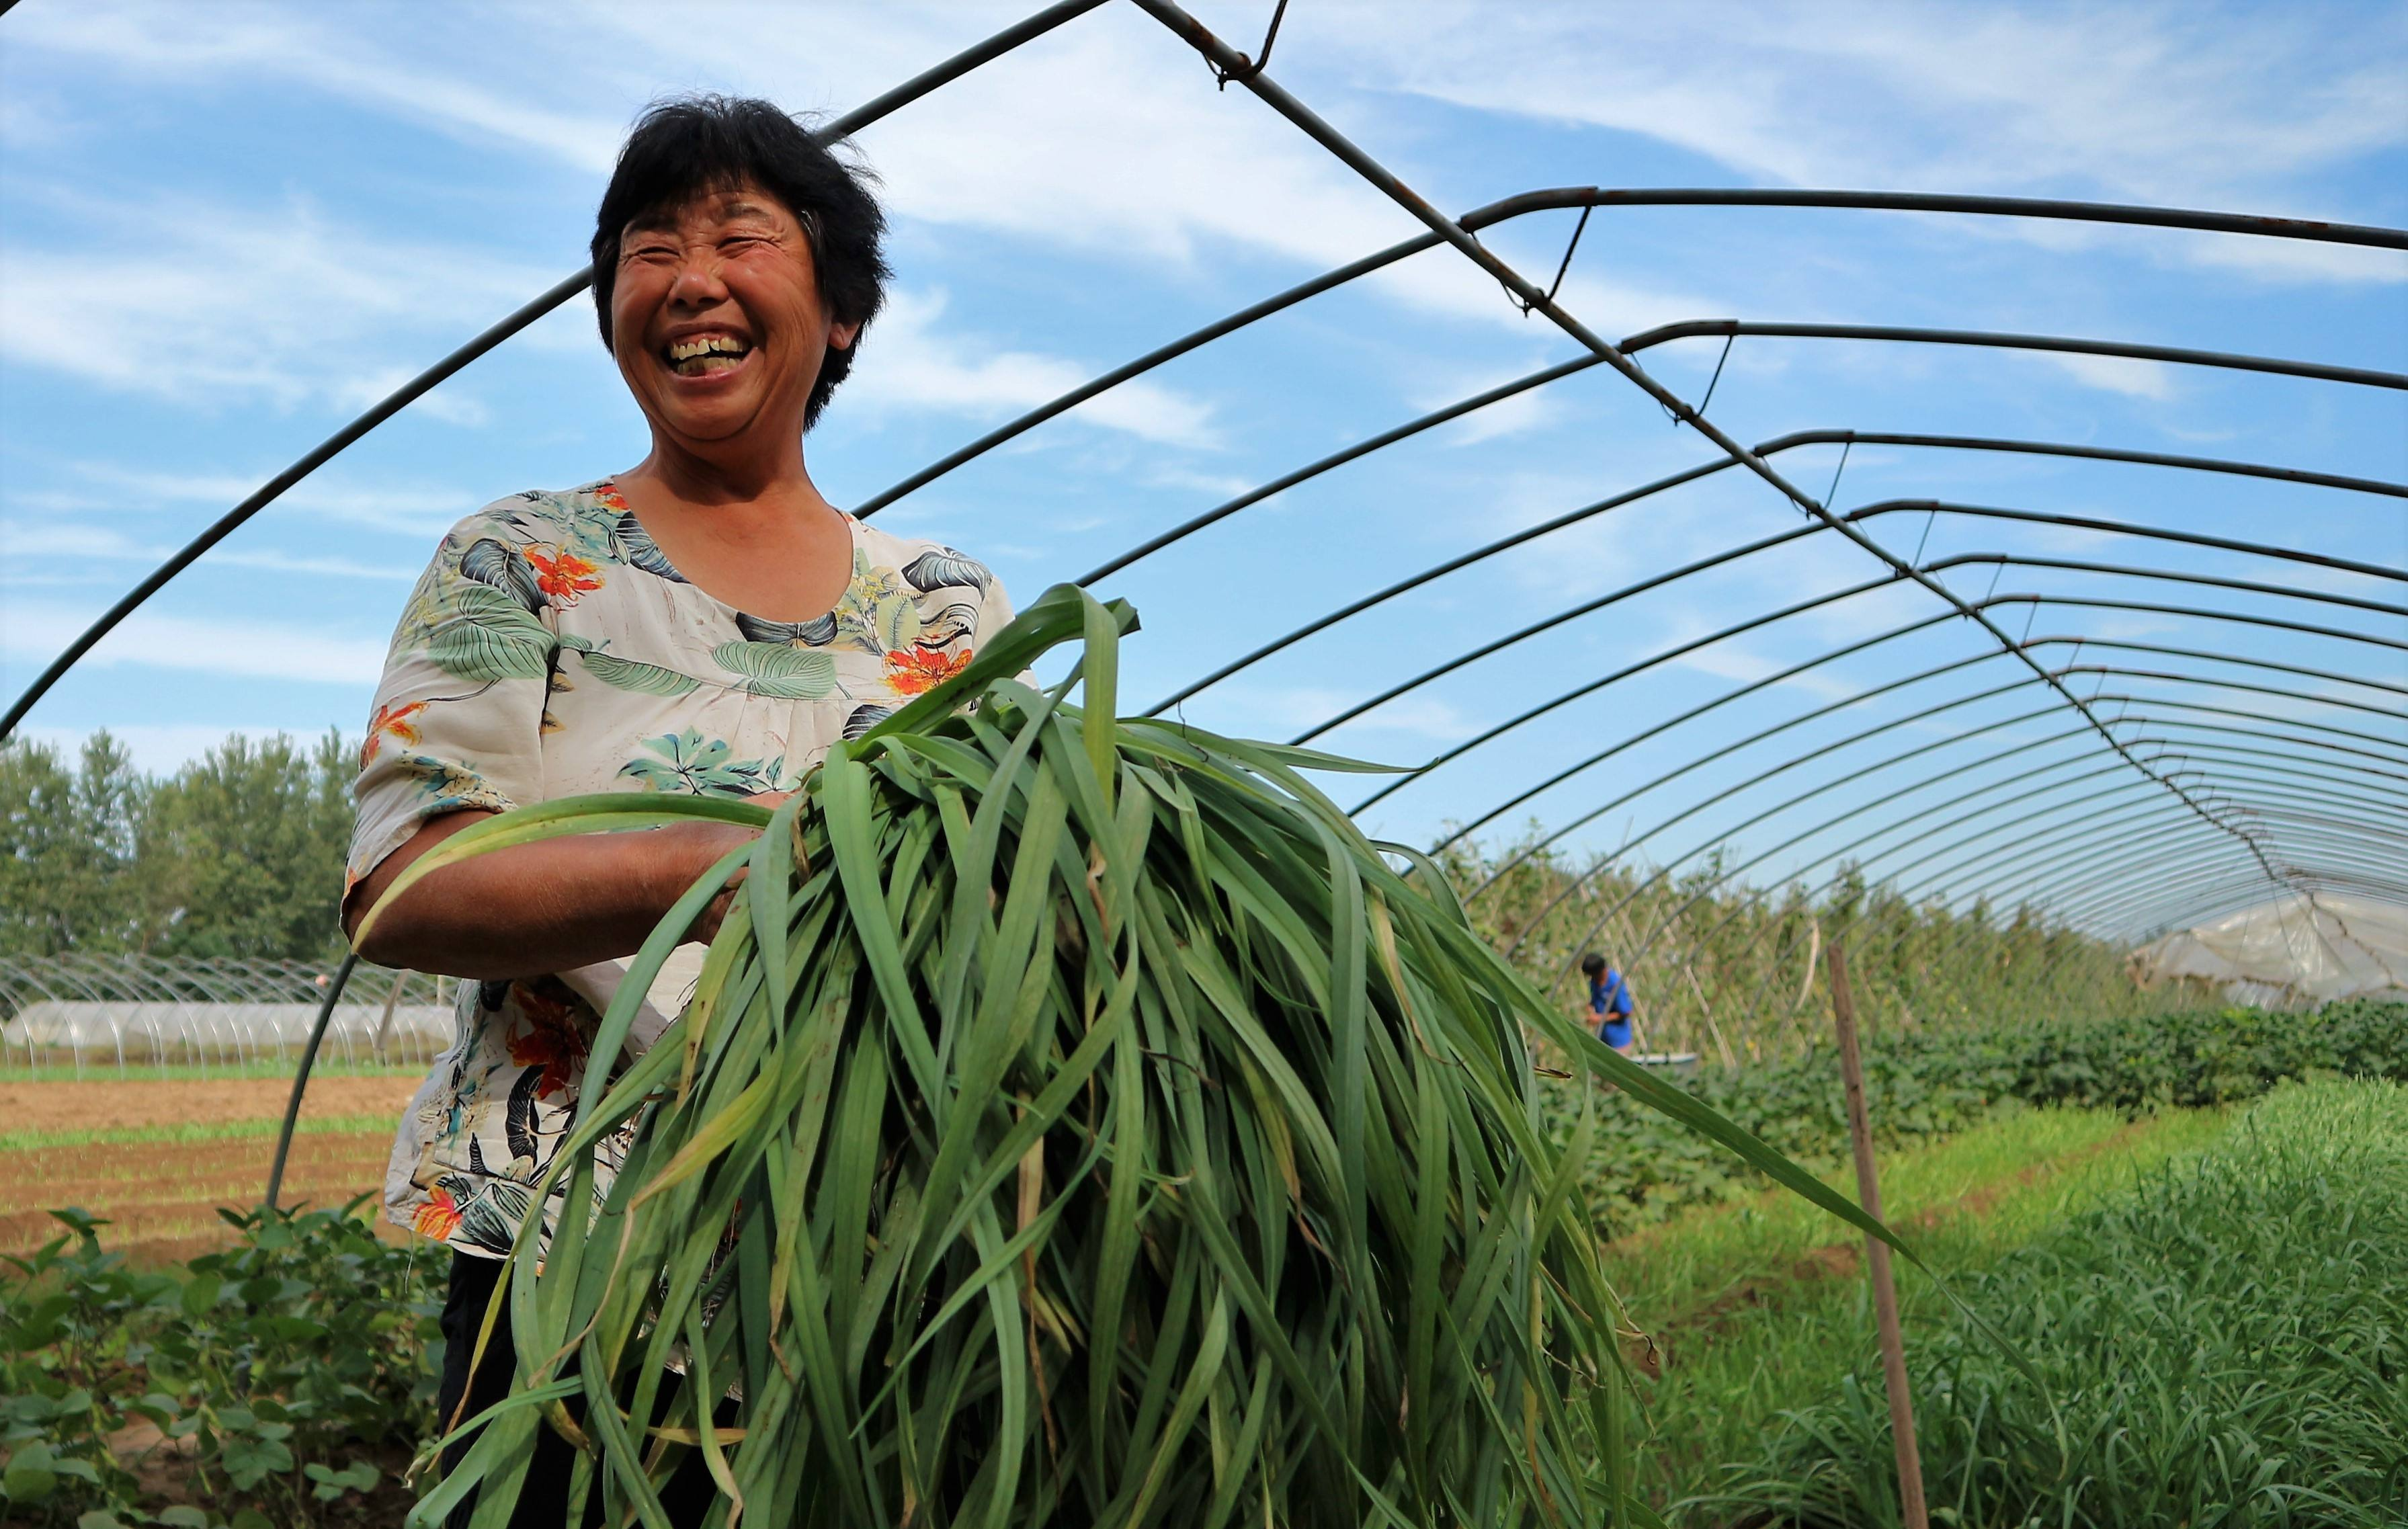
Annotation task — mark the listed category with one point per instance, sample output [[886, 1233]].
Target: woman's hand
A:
[[705, 927], [547, 907]]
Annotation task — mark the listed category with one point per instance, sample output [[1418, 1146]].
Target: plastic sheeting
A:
[[2300, 949], [156, 1029]]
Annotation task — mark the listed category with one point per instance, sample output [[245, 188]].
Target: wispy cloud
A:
[[1289, 709], [2143, 103], [224, 307], [2150, 379], [252, 649], [913, 362], [298, 51], [415, 510]]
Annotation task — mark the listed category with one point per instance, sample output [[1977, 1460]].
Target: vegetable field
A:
[[1086, 1115], [2077, 1183], [157, 1157]]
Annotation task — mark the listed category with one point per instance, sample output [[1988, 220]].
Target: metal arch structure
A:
[[82, 1010], [2206, 812]]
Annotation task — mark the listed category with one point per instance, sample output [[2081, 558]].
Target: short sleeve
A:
[[458, 717]]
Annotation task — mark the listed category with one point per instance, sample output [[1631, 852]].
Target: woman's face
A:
[[716, 321]]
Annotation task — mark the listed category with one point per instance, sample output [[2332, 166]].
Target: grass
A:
[[2225, 1347], [188, 1133], [1758, 1308]]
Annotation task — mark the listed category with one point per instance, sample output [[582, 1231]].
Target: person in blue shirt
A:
[[1608, 1002]]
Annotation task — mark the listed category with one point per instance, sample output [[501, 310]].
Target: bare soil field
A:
[[162, 1197], [107, 1104]]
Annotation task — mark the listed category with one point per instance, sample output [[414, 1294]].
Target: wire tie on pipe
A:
[[1929, 521], [1247, 69], [1716, 381], [1557, 285], [1699, 412], [1994, 587]]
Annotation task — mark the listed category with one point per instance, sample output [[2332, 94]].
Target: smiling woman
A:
[[704, 623]]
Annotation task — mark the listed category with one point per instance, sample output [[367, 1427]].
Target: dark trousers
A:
[[544, 1500]]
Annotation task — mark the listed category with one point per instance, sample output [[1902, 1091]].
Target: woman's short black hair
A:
[[1592, 964], [694, 145]]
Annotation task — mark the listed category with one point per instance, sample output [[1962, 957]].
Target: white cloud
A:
[[1289, 709], [95, 542], [329, 568], [2135, 103], [914, 363], [288, 47], [2150, 379], [255, 650], [414, 509], [226, 305], [1725, 661], [21, 539], [1518, 415], [448, 402]]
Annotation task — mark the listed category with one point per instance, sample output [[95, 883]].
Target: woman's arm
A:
[[534, 908]]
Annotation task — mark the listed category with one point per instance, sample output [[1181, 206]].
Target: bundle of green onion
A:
[[1078, 1122]]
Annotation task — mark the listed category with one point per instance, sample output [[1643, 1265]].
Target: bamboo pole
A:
[[1893, 1345]]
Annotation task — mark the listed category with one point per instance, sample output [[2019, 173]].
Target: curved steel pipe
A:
[[2099, 453], [1661, 871], [1589, 687], [1895, 825], [2153, 533], [1533, 300], [1457, 750], [2061, 344], [1718, 885], [1364, 447], [1509, 803], [1540, 846], [1983, 864], [1573, 613], [2086, 602], [559, 291], [2145, 808], [1690, 474], [2165, 899], [2018, 560], [2194, 726], [2140, 860], [2053, 884]]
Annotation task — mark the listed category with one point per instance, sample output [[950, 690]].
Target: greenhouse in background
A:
[[95, 1012], [2293, 952]]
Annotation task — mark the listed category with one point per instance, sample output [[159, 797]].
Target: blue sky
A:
[[225, 228]]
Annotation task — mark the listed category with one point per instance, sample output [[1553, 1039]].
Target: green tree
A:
[[240, 853], [67, 849]]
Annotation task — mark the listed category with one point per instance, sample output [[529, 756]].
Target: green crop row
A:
[[287, 1380], [2225, 1347], [1928, 1082], [285, 1383]]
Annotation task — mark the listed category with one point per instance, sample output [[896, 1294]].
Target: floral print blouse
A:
[[550, 651]]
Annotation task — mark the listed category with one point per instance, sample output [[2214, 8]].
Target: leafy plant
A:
[[2225, 1347], [1077, 1120], [280, 1381], [1930, 1082]]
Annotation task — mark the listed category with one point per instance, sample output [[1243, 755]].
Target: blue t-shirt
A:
[[1609, 999]]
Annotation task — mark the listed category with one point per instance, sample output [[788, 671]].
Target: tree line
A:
[[238, 854]]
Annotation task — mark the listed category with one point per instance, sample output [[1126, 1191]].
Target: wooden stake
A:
[[1893, 1345]]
